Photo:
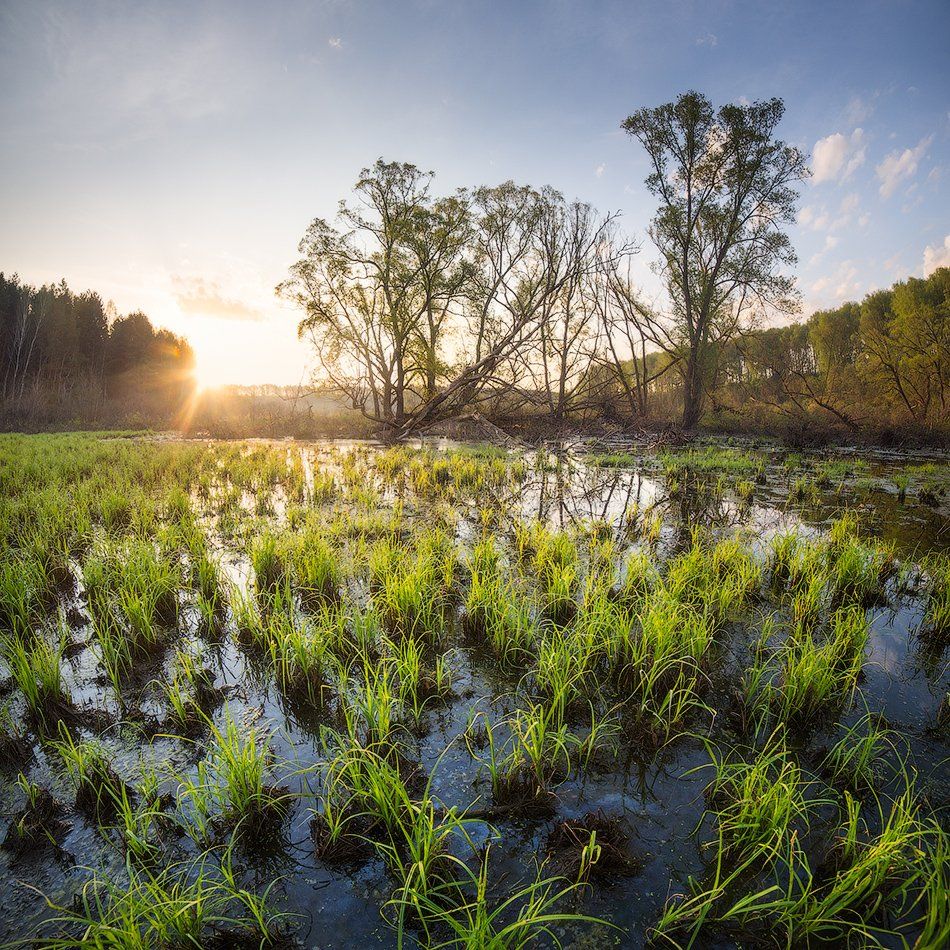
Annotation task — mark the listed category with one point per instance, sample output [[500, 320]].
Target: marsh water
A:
[[657, 794]]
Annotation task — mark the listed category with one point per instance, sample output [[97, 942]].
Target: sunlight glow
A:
[[210, 371]]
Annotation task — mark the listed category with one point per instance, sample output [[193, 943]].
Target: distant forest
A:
[[878, 365], [66, 359], [869, 368], [882, 362]]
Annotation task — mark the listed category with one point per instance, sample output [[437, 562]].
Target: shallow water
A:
[[658, 795]]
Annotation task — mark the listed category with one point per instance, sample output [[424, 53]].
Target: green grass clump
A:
[[804, 491], [138, 583], [316, 570], [613, 459], [858, 571], [37, 669], [820, 674], [937, 616], [193, 905], [463, 913], [412, 589], [855, 759], [711, 460], [759, 802], [20, 603], [89, 764], [270, 562], [234, 781]]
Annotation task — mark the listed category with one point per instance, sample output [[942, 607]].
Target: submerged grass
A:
[[429, 666]]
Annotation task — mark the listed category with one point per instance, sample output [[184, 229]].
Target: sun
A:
[[209, 373]]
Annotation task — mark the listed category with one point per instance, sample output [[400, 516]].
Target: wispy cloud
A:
[[831, 242], [200, 297], [336, 42], [850, 203], [819, 218], [859, 109], [840, 285], [708, 39], [118, 74], [900, 166]]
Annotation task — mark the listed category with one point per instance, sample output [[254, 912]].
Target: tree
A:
[[623, 333], [726, 186], [530, 249], [905, 334], [835, 336], [376, 294], [130, 343], [92, 330], [437, 242]]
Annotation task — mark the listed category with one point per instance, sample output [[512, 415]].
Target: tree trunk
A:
[[400, 395], [692, 392]]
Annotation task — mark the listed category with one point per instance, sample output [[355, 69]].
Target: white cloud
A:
[[599, 170], [837, 156], [709, 39], [813, 217], [895, 267], [335, 42], [831, 242], [899, 166], [938, 256], [205, 298]]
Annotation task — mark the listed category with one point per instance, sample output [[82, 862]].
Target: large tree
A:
[[530, 253], [376, 290], [726, 186]]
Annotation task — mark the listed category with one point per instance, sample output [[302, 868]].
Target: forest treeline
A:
[[881, 363], [69, 358], [862, 367]]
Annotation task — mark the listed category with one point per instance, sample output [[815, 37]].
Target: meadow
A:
[[342, 694]]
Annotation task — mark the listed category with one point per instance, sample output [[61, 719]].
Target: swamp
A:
[[344, 694]]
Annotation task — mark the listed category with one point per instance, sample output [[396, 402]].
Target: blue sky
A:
[[170, 155]]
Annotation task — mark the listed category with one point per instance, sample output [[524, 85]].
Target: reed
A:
[[89, 765], [237, 775], [524, 918], [193, 904], [936, 624], [757, 803], [37, 669]]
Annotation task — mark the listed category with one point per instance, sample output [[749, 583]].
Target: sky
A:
[[170, 156]]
